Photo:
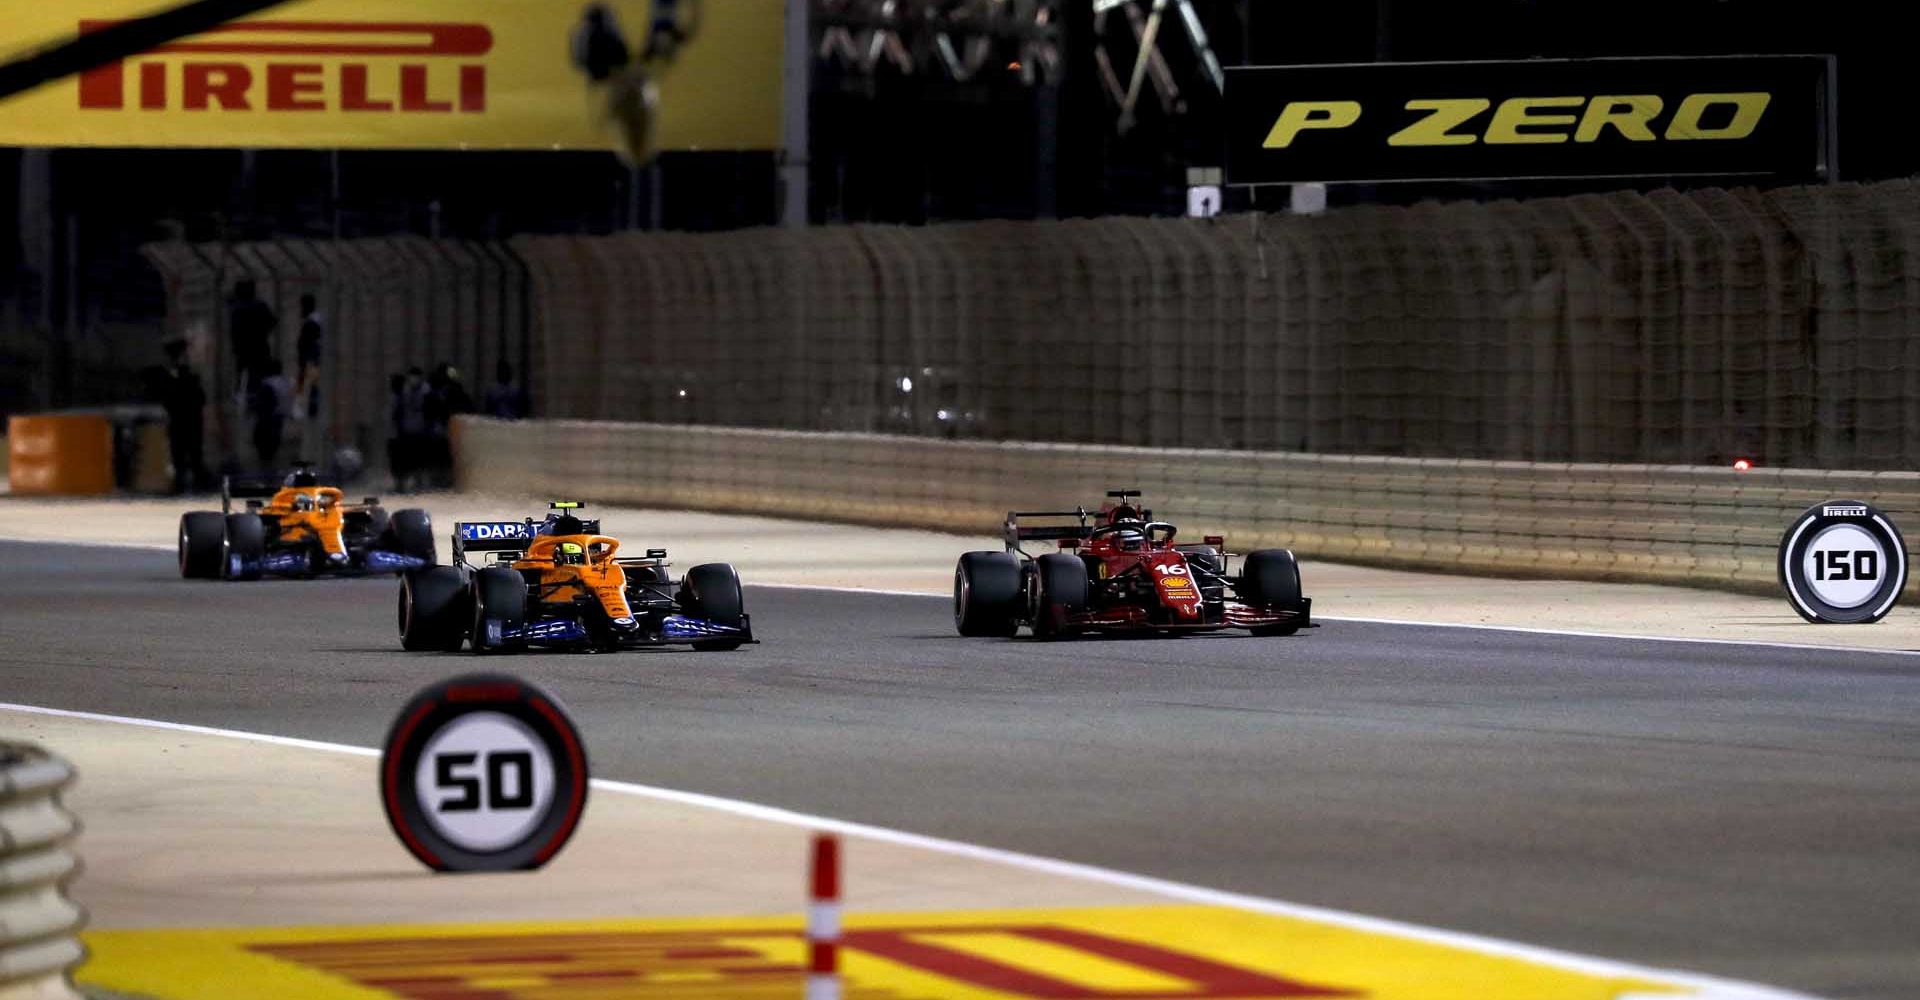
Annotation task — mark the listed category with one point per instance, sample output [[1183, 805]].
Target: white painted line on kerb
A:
[[1706, 987], [1517, 629]]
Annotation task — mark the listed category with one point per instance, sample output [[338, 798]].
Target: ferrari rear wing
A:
[[1015, 532]]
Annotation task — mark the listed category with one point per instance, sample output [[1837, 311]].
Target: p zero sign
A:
[[1735, 116], [483, 772]]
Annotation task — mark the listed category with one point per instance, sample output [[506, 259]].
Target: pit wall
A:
[[1690, 525]]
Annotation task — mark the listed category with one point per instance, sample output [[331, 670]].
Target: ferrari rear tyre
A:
[[433, 609], [202, 542], [1270, 577], [711, 592], [986, 594], [499, 595], [1204, 557], [244, 548], [1060, 582], [412, 532]]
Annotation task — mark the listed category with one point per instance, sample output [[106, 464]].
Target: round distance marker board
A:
[[483, 773], [1843, 562]]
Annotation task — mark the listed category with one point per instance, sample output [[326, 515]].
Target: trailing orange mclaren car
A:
[[298, 527]]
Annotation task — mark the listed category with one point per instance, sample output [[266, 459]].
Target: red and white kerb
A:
[[823, 920]]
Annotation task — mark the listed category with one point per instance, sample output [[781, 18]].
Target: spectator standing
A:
[[447, 397], [270, 401], [184, 398], [406, 449], [307, 352], [504, 398], [250, 325]]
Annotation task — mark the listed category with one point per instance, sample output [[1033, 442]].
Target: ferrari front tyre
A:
[[711, 592], [245, 547], [433, 609], [203, 536], [986, 594], [499, 595], [1270, 578], [1061, 586], [412, 532]]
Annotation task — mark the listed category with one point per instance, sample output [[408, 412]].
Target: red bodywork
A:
[[1139, 580]]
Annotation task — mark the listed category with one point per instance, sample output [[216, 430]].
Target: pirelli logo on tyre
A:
[[1734, 117]]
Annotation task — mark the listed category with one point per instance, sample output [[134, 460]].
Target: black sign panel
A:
[[1732, 116]]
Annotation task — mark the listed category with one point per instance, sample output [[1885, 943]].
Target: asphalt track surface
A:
[[1749, 811]]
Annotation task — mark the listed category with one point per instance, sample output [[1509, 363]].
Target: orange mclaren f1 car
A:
[[297, 527], [561, 584]]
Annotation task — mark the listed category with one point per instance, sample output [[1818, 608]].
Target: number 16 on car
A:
[[483, 772]]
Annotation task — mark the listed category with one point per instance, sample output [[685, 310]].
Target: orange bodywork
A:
[[600, 575], [323, 520]]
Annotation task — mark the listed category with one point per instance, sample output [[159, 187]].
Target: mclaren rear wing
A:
[[505, 536]]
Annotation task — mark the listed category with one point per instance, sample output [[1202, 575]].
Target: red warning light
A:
[[1741, 465]]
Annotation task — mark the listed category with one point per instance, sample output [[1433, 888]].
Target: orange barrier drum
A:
[[60, 454]]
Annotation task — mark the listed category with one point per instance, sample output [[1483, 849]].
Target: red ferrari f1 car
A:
[[1119, 570]]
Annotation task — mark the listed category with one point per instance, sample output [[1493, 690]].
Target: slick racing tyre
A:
[[986, 594], [1270, 577], [203, 535], [1060, 592], [712, 592], [499, 597], [433, 609], [412, 532], [245, 547]]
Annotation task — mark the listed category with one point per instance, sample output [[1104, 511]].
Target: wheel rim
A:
[[962, 596]]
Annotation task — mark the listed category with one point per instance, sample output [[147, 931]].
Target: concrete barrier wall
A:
[[1691, 525]]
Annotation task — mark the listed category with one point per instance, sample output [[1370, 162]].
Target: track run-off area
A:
[[1738, 810]]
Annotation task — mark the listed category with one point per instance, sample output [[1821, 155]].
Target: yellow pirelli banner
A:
[[404, 74]]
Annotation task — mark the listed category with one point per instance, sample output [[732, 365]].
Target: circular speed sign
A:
[[483, 772], [1843, 562]]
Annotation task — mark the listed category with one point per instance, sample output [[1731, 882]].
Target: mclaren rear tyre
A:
[[433, 609], [1060, 592], [245, 547], [986, 594], [1269, 577], [203, 536], [412, 532], [499, 598], [711, 592]]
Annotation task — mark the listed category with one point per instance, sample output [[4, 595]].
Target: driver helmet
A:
[[1124, 512], [302, 478], [567, 524], [303, 501], [1130, 539], [569, 554]]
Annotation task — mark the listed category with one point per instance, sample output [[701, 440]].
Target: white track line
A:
[[1706, 987], [1517, 629]]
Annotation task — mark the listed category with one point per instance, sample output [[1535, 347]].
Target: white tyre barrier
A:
[[39, 946]]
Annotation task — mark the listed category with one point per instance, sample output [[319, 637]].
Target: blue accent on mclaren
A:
[[487, 531], [682, 627], [382, 561]]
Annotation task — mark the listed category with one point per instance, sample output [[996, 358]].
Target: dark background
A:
[[891, 147]]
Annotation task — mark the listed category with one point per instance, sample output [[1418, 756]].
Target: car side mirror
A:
[[656, 553], [370, 501]]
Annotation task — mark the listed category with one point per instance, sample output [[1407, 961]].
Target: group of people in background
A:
[[422, 406], [420, 414]]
